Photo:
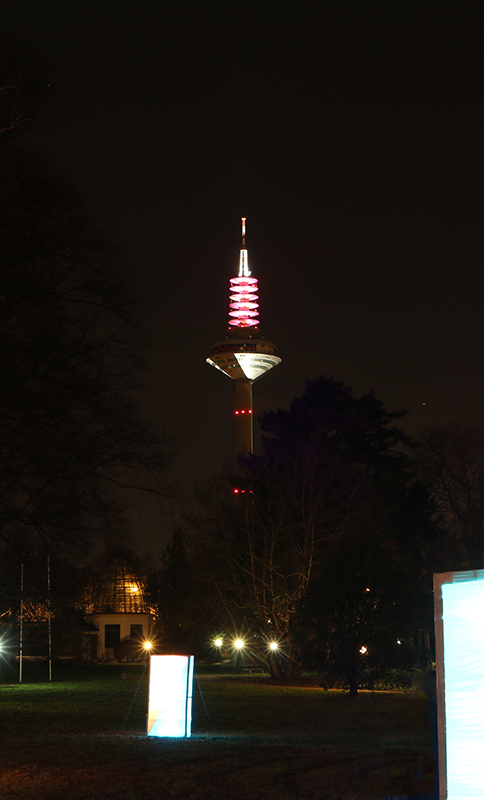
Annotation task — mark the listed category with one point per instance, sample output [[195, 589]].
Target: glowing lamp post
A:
[[218, 643], [273, 648], [170, 696], [239, 646], [459, 639]]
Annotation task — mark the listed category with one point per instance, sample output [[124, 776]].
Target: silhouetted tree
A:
[[451, 461], [24, 87], [377, 559], [168, 588], [328, 480], [370, 609], [71, 435]]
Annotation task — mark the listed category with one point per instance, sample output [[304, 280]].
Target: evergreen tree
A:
[[325, 498]]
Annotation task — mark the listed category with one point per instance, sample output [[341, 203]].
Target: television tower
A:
[[243, 355]]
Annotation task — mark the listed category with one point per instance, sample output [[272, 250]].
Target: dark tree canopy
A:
[[348, 466], [71, 437], [332, 494], [451, 462], [182, 608], [24, 87], [329, 416]]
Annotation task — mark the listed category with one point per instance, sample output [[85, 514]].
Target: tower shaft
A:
[[244, 429]]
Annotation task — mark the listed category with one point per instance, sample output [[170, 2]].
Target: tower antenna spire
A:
[[244, 271]]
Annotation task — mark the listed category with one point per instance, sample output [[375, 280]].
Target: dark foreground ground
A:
[[83, 736]]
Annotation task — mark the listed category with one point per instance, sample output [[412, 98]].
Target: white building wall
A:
[[124, 621]]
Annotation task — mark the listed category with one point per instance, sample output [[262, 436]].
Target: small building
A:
[[120, 613]]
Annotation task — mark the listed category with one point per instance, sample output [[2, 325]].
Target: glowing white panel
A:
[[460, 675], [170, 696], [255, 365]]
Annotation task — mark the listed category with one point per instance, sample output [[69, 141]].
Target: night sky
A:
[[351, 137]]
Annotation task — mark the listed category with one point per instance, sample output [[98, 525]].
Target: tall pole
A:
[[49, 618], [21, 629]]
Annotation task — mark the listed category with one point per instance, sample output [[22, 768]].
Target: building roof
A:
[[119, 590]]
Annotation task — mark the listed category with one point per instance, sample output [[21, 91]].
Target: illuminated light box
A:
[[459, 639], [170, 696]]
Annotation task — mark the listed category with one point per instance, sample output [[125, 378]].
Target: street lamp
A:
[[239, 646], [217, 645]]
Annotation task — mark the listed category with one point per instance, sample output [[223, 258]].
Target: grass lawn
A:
[[83, 736]]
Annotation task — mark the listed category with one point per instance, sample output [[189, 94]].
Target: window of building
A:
[[112, 635], [136, 632]]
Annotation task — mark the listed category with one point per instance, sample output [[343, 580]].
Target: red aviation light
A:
[[243, 304]]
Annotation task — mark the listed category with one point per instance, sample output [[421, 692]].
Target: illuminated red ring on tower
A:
[[244, 306]]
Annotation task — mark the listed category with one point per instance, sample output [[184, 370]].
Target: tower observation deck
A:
[[244, 355]]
